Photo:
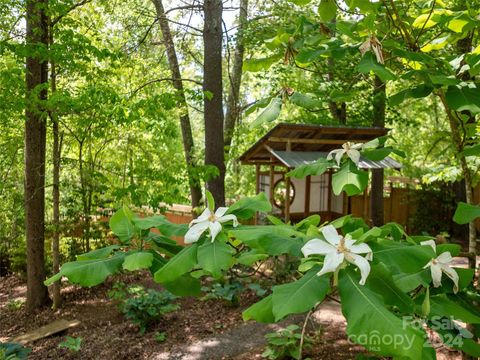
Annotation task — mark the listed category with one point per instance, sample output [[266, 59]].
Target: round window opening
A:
[[280, 193]]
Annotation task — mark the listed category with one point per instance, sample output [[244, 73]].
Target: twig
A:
[[302, 338]]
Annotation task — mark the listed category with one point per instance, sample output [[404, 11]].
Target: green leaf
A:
[[420, 91], [369, 64], [454, 306], [149, 222], [327, 10], [180, 264], [185, 285], [137, 261], [254, 65], [89, 272], [316, 168], [246, 207], [424, 21], [472, 150], [299, 296], [210, 201], [163, 244], [260, 311], [270, 113], [215, 256], [101, 253], [300, 2], [305, 101], [436, 44], [370, 323], [257, 105], [464, 98], [456, 336], [466, 213], [122, 225], [251, 257], [349, 179]]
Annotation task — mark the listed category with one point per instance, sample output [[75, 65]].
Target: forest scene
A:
[[239, 179]]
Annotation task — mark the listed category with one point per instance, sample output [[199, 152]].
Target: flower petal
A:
[[354, 155], [436, 271], [360, 248], [220, 212], [317, 246], [452, 274], [338, 156], [215, 228], [228, 218], [362, 264], [445, 258], [431, 243], [332, 153], [204, 217], [195, 231], [356, 146], [331, 262], [331, 234]]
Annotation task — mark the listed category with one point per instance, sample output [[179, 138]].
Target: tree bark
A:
[[337, 110], [232, 114], [213, 102], [35, 147], [57, 146], [188, 144], [376, 193]]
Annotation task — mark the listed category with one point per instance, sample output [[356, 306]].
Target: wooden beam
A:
[[308, 181], [311, 141], [287, 198]]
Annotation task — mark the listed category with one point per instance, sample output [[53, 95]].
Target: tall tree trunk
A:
[[337, 110], [376, 193], [232, 114], [35, 145], [213, 102], [188, 144], [57, 146]]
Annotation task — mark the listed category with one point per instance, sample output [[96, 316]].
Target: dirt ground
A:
[[107, 335]]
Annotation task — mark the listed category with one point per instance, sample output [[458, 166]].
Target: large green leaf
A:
[[305, 101], [121, 223], [417, 92], [246, 207], [455, 336], [299, 296], [180, 264], [327, 10], [254, 65], [160, 222], [453, 306], [215, 256], [313, 169], [463, 98], [251, 257], [260, 311], [138, 260], [270, 113], [101, 253], [89, 272], [371, 324], [349, 179], [185, 285], [369, 64], [163, 243], [466, 213]]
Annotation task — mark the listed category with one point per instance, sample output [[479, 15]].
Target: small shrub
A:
[[12, 351], [71, 343], [228, 292], [146, 307], [285, 343], [15, 304], [160, 336]]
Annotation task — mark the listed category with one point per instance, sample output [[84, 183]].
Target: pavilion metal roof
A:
[[293, 159], [308, 138]]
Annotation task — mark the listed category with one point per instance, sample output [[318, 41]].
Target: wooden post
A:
[[365, 206], [329, 195], [287, 198], [257, 187], [308, 181], [272, 168]]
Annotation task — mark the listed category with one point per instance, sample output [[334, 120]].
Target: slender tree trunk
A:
[[337, 110], [35, 145], [213, 102], [57, 146], [188, 144], [232, 114], [376, 193]]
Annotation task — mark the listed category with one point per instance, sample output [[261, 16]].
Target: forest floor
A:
[[198, 330]]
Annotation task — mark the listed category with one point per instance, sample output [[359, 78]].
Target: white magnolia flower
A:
[[442, 263], [211, 221], [337, 250], [352, 150]]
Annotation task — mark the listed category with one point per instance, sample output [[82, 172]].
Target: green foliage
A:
[[285, 343], [160, 336], [12, 351], [466, 213], [15, 304], [228, 292], [349, 179], [71, 343]]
